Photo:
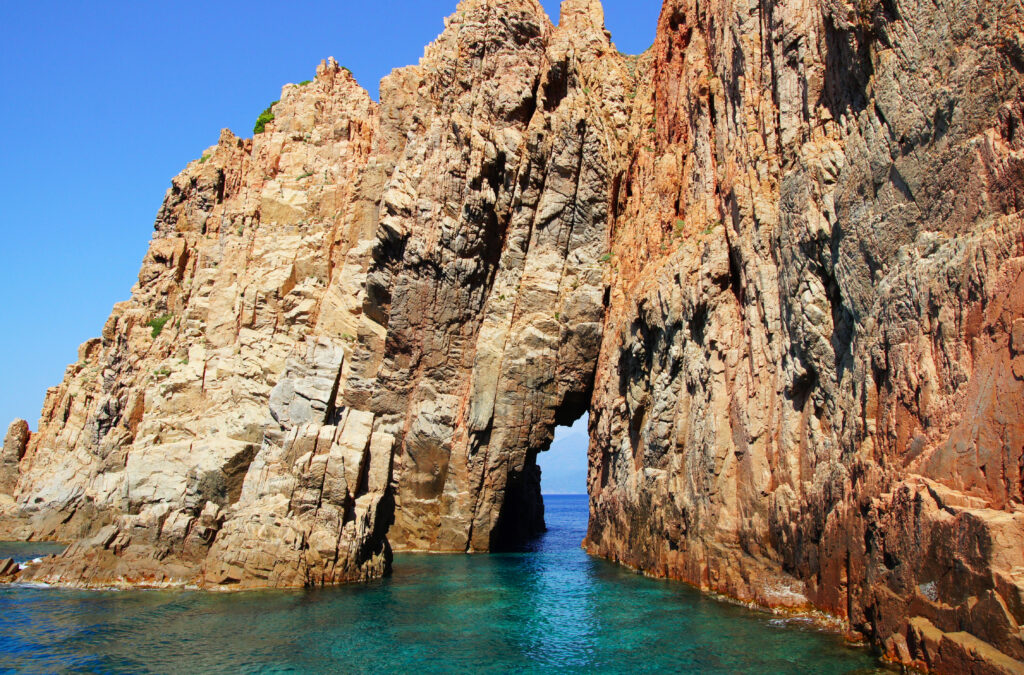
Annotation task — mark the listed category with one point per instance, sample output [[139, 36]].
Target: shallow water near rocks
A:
[[550, 609]]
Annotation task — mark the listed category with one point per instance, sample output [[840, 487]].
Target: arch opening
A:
[[563, 466], [558, 471]]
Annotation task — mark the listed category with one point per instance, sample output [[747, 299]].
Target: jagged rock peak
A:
[[15, 443], [466, 8], [581, 15], [476, 21]]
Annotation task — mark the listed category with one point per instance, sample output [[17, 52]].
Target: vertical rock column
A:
[[488, 265], [14, 446]]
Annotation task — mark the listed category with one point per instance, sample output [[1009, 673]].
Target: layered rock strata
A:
[[779, 258]]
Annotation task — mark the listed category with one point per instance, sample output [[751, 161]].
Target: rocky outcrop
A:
[[8, 570], [144, 451], [13, 450], [779, 257], [353, 332]]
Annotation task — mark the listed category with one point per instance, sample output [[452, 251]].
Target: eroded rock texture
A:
[[354, 331], [779, 257], [14, 446], [807, 394], [150, 446]]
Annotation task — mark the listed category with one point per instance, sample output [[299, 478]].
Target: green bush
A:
[[158, 323], [265, 116], [304, 83]]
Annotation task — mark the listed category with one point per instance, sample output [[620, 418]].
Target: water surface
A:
[[553, 609]]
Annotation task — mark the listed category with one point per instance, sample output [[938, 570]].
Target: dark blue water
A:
[[550, 610]]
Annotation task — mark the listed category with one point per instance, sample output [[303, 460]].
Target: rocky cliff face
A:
[[779, 257], [354, 331], [810, 392]]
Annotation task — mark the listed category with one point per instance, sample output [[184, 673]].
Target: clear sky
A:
[[563, 468], [104, 102]]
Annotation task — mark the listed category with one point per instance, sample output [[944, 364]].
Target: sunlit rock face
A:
[[779, 258], [353, 332], [810, 392]]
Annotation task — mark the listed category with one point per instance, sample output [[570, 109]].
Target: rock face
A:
[[14, 446], [353, 332], [807, 394], [779, 257]]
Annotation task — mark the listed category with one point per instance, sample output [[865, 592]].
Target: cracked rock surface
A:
[[353, 332], [779, 258], [808, 394]]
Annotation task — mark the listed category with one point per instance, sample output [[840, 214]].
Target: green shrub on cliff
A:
[[265, 116], [158, 323]]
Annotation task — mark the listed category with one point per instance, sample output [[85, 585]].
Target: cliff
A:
[[779, 258], [810, 390]]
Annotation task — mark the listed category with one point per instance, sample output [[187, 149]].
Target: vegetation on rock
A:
[[265, 116], [158, 323]]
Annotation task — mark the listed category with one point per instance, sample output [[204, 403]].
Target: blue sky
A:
[[103, 103], [563, 468]]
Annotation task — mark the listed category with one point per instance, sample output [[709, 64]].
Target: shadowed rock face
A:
[[779, 257], [14, 446]]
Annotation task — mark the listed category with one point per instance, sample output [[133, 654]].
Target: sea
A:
[[547, 609]]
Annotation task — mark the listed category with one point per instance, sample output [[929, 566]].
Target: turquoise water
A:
[[553, 609]]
